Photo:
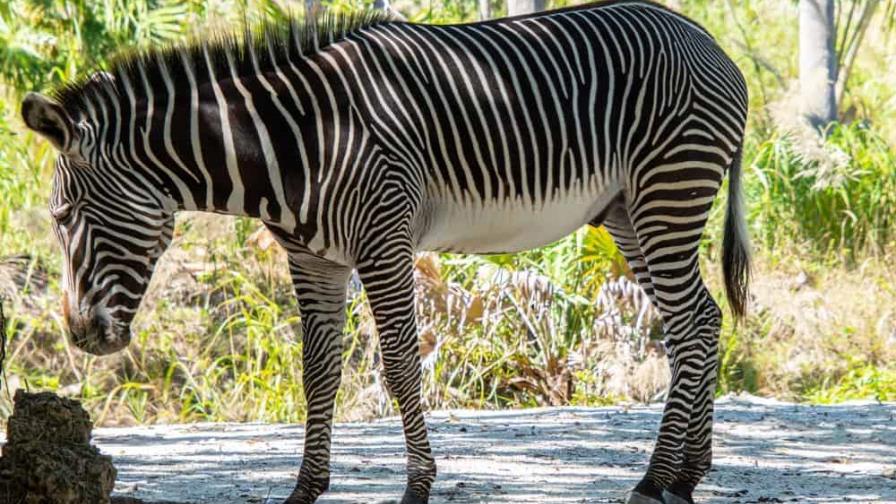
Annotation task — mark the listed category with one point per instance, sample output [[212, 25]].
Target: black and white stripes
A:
[[359, 140]]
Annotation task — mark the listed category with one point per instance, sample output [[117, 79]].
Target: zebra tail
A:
[[735, 244]]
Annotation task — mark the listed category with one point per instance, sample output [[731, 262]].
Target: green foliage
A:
[[25, 168], [863, 381], [838, 199], [47, 42], [737, 367], [560, 325]]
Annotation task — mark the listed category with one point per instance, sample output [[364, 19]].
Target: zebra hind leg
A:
[[697, 450], [389, 283], [320, 288], [671, 277], [682, 453]]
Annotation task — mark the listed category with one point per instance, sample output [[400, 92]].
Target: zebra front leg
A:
[[320, 287], [389, 283]]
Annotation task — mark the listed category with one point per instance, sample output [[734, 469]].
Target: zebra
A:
[[359, 140]]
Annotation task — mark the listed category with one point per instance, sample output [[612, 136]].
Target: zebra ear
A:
[[47, 118]]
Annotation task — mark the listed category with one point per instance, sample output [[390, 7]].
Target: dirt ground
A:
[[765, 451]]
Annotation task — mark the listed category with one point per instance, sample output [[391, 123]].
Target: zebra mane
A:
[[266, 46]]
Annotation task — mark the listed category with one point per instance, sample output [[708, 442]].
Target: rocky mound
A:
[[48, 457]]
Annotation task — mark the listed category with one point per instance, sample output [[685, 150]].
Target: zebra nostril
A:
[[99, 326], [78, 330]]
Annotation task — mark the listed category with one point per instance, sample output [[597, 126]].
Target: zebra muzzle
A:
[[97, 335]]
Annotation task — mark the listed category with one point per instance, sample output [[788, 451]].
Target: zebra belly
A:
[[509, 226]]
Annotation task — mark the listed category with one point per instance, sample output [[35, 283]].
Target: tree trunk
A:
[[386, 5], [517, 7], [818, 62], [485, 9], [312, 8]]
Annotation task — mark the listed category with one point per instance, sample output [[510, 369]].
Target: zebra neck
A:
[[221, 146]]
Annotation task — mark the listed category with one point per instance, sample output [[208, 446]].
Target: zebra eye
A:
[[62, 212]]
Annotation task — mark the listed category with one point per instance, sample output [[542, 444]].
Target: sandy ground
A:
[[766, 451]]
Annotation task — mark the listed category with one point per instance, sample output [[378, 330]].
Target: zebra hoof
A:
[[412, 498], [671, 498], [305, 495], [299, 497], [636, 498]]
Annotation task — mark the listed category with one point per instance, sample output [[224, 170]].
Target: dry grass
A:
[[812, 327]]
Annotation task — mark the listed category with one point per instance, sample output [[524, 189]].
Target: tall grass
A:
[[835, 198]]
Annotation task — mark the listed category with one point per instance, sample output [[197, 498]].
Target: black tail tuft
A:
[[735, 245]]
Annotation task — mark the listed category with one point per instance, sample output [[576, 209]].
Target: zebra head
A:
[[112, 224]]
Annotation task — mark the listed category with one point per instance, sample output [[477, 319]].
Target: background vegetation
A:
[[217, 338]]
